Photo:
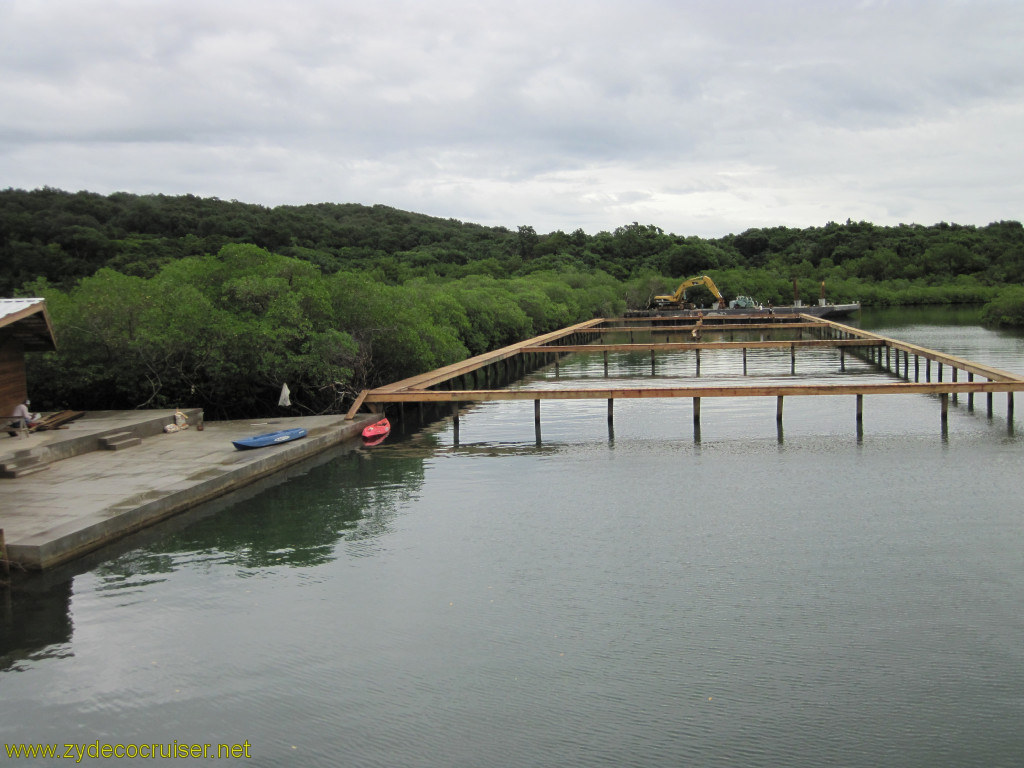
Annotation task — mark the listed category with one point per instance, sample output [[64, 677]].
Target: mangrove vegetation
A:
[[162, 301]]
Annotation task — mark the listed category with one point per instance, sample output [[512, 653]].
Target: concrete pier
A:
[[83, 496]]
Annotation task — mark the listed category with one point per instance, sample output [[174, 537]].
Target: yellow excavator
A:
[[678, 299]]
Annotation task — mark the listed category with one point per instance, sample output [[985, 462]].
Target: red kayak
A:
[[377, 431]]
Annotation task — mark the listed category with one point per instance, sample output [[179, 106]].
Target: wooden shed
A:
[[24, 327]]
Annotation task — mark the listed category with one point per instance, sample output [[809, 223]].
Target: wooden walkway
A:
[[915, 370]]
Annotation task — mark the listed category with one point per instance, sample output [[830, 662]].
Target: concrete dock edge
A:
[[185, 470]]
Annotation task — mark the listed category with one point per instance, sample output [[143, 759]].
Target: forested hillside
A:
[[161, 300]]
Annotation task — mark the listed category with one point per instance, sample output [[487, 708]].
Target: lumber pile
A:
[[57, 420]]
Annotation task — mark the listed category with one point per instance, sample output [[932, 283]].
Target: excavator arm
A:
[[678, 298]]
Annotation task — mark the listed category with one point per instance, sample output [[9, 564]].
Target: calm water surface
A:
[[640, 596]]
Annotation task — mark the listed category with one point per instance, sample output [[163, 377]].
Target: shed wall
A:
[[13, 385]]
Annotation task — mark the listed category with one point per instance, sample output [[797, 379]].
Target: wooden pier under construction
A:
[[912, 369]]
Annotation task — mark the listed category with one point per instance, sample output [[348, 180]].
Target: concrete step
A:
[[119, 440], [21, 464]]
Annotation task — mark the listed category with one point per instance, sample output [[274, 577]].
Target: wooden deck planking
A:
[[691, 345], [473, 363], [930, 354], [633, 393], [713, 327], [438, 375], [417, 388]]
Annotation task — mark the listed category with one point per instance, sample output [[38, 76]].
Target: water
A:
[[640, 596]]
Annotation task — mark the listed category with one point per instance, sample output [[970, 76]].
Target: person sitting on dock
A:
[[22, 418]]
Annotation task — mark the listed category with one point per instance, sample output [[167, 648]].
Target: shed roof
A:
[[27, 321]]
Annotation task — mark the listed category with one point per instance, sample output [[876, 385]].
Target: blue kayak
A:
[[269, 438]]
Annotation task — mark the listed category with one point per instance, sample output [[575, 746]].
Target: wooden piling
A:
[[744, 361], [778, 409], [611, 409]]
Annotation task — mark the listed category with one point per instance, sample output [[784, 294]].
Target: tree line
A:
[[179, 300], [225, 331]]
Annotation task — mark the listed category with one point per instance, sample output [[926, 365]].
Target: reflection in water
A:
[[296, 518], [297, 523], [34, 622]]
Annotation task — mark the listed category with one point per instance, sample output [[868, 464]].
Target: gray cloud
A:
[[702, 118]]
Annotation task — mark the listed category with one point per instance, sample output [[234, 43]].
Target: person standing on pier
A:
[[697, 329]]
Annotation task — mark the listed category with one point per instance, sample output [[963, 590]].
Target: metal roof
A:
[[27, 321]]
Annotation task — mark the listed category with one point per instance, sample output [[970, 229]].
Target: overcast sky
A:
[[698, 117]]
